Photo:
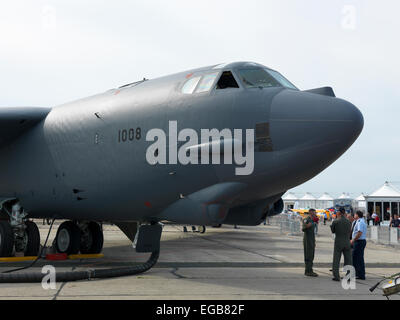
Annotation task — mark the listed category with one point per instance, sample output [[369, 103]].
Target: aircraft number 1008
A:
[[131, 134]]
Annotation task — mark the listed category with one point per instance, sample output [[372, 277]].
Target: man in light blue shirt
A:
[[359, 242]]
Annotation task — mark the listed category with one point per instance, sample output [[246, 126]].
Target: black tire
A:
[[33, 239], [71, 244], [6, 239], [93, 243]]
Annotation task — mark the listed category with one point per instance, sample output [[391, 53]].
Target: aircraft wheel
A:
[[68, 238], [92, 238], [32, 236], [6, 239]]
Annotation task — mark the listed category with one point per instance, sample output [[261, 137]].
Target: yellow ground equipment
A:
[[320, 212]]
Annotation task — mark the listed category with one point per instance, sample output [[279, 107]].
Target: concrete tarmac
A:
[[223, 263]]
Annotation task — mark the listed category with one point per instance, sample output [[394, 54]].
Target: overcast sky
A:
[[52, 52]]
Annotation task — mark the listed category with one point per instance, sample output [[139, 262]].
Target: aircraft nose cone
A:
[[355, 120], [309, 132], [313, 121]]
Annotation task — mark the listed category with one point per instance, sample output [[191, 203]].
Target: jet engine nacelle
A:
[[255, 213]]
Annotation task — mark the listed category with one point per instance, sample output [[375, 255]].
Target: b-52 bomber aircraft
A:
[[214, 145]]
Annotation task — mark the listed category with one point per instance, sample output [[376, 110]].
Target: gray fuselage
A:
[[87, 159]]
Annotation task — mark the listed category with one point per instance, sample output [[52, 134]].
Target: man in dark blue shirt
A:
[[395, 222]]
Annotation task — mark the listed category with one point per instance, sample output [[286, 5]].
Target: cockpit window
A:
[[282, 80], [253, 78], [206, 82], [227, 80], [190, 85], [263, 78]]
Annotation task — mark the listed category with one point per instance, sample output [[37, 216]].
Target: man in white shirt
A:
[[374, 215], [358, 241]]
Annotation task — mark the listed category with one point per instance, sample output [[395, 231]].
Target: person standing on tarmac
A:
[[309, 243], [350, 217], [341, 227], [359, 242]]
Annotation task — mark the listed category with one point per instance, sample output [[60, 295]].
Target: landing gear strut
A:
[[18, 232]]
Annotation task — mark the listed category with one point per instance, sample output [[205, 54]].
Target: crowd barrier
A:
[[384, 235], [289, 224]]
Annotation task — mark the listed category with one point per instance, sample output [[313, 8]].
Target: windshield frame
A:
[[282, 81]]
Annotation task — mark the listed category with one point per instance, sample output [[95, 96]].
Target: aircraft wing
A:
[[14, 121]]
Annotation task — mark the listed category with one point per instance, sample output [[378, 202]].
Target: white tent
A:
[[361, 197], [360, 201], [290, 196], [344, 195], [384, 201], [324, 201], [307, 201], [343, 200], [386, 191], [289, 200]]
